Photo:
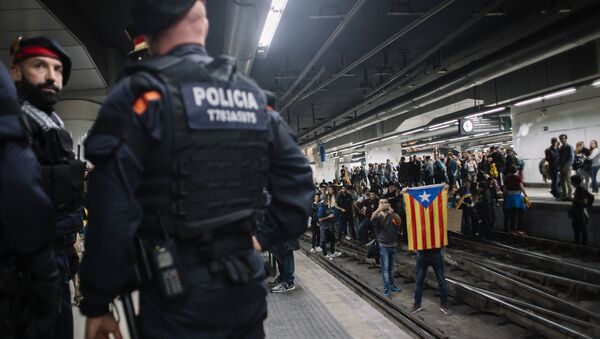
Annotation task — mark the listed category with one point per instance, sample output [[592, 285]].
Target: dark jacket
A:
[[552, 156], [566, 155]]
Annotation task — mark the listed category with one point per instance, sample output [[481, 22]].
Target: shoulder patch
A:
[[212, 107], [140, 105]]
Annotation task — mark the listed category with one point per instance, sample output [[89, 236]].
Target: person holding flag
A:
[[427, 225]]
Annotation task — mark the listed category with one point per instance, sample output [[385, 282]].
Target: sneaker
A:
[[348, 237], [416, 309], [329, 257], [275, 281], [313, 250], [445, 310], [387, 292], [395, 288], [283, 287], [336, 254], [319, 249]]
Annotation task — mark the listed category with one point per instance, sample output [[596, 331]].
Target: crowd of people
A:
[[478, 181]]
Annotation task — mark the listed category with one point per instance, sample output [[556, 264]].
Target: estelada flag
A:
[[426, 217]]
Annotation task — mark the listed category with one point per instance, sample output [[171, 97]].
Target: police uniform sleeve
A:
[[290, 185], [114, 214]]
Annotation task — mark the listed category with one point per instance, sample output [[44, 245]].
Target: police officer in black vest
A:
[[40, 69], [184, 149], [29, 280]]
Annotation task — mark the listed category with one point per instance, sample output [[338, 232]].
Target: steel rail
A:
[[574, 270], [416, 325]]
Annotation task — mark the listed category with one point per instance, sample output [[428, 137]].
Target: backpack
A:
[[493, 170]]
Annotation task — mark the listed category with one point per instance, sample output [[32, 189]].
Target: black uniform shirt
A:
[[115, 215], [26, 213]]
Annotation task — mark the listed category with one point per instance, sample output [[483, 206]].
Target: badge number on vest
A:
[[211, 107]]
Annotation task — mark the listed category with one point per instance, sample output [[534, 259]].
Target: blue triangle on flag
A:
[[425, 195]]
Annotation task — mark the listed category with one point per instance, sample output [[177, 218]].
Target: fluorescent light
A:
[[560, 93], [547, 96], [529, 101], [443, 123], [372, 142], [271, 23], [389, 138], [481, 134], [460, 138], [489, 111], [596, 83], [413, 131]]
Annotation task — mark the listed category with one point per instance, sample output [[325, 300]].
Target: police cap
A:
[[22, 49], [151, 16]]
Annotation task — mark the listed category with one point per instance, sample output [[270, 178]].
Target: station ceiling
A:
[[445, 35]]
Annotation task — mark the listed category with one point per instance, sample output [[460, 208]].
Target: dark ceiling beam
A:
[[353, 11], [562, 36], [381, 46], [300, 92], [67, 15], [434, 49]]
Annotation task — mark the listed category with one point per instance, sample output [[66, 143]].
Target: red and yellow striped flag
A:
[[426, 217]]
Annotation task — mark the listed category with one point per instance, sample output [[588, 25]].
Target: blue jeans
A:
[[594, 182], [435, 259], [287, 267], [388, 263]]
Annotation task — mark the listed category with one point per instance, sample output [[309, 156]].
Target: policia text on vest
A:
[[210, 107]]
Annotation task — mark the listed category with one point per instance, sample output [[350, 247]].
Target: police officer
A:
[[29, 281], [40, 69], [183, 149]]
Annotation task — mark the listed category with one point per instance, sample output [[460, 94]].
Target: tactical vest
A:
[[208, 181], [62, 174]]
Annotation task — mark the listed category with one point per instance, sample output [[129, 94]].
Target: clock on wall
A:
[[466, 126]]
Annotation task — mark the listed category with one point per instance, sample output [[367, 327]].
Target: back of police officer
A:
[[183, 149], [29, 281]]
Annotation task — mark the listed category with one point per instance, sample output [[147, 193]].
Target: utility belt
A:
[[64, 183], [163, 257]]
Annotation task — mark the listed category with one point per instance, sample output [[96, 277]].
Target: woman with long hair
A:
[[582, 165]]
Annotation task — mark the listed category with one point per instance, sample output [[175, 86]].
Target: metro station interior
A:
[[362, 82]]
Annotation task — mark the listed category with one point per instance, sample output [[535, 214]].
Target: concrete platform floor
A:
[[320, 307]]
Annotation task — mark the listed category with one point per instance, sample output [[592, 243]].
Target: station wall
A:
[[577, 116], [78, 116]]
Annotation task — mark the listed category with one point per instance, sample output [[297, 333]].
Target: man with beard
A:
[[40, 69]]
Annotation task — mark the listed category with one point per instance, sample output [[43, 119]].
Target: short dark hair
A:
[[512, 169], [576, 179], [562, 136], [553, 140]]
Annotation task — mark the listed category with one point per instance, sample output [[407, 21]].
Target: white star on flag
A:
[[424, 197]]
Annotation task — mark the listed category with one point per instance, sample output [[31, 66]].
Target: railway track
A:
[[400, 316], [493, 290], [585, 253]]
